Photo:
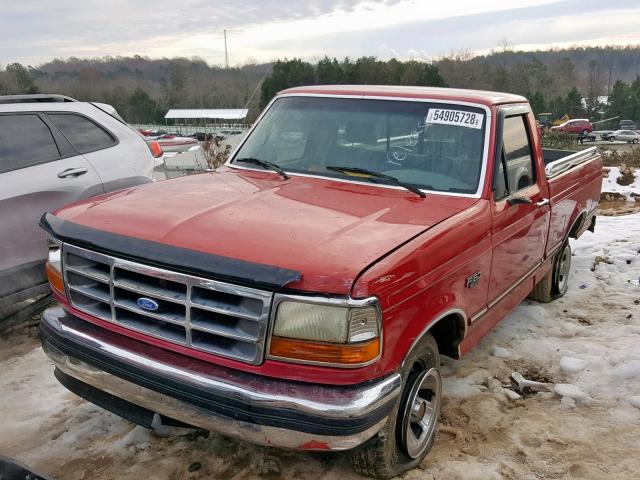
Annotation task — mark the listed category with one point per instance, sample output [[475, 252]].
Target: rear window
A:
[[25, 140], [81, 132]]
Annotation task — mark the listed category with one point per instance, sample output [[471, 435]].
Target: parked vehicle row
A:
[[54, 151], [579, 126], [301, 295], [629, 136]]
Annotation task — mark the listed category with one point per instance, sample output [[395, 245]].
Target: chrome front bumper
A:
[[257, 409]]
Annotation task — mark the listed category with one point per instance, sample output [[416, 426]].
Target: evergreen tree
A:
[[328, 72], [620, 102], [431, 77], [286, 74], [537, 102], [362, 71], [22, 78], [142, 107], [634, 100], [573, 103]]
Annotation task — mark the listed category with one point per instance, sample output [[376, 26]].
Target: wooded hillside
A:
[[142, 89]]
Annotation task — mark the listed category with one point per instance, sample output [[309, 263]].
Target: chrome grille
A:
[[207, 315]]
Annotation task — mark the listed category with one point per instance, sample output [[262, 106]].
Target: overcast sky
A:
[[34, 31]]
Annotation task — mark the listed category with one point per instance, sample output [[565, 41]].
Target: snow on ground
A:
[[610, 184], [586, 344]]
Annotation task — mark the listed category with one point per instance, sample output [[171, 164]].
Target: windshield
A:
[[432, 146]]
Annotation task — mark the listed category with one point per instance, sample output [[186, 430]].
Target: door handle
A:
[[519, 201], [72, 172], [542, 203]]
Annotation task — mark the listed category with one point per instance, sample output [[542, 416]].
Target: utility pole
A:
[[226, 53]]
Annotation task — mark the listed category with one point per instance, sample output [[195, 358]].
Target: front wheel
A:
[[635, 140], [409, 433]]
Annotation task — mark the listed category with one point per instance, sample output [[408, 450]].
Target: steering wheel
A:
[[396, 156], [398, 153]]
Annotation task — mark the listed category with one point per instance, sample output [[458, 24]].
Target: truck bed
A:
[[559, 161], [551, 154], [575, 180]]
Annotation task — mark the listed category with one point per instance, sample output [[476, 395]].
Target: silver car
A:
[[54, 151], [630, 136]]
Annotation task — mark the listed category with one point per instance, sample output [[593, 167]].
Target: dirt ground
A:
[[614, 208]]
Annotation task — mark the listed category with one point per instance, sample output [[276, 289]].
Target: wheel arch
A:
[[448, 329], [577, 225]]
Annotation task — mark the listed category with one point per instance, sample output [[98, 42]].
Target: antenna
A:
[[226, 53]]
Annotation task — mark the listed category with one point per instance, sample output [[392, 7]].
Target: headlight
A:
[[54, 264], [342, 333]]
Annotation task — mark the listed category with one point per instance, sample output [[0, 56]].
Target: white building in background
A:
[[211, 119]]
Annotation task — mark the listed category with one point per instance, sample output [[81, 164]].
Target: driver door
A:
[[520, 209]]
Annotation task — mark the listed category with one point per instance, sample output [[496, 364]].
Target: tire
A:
[[542, 291], [561, 271], [389, 453], [556, 282], [635, 140]]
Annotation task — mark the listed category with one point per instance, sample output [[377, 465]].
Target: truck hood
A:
[[327, 230]]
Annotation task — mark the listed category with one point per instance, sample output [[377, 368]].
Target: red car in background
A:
[[580, 126]]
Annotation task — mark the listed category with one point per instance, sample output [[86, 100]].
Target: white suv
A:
[[53, 151]]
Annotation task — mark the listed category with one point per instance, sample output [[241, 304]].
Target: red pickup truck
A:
[[300, 296]]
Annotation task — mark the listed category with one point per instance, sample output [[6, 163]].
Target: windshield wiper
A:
[[371, 175], [264, 164]]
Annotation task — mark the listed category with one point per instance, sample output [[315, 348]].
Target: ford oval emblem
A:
[[147, 304]]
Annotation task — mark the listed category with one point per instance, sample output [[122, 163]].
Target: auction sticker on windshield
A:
[[455, 117]]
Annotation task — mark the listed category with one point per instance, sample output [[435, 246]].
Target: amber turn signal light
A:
[[330, 353], [156, 149], [55, 277]]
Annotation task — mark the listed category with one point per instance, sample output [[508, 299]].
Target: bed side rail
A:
[[557, 167]]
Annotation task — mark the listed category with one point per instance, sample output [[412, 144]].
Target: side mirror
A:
[[518, 200]]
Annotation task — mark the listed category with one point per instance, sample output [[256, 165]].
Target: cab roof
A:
[[472, 96]]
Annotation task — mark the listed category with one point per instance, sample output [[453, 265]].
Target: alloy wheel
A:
[[421, 412], [564, 268]]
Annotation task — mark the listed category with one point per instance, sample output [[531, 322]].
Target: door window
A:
[[83, 134], [25, 140], [516, 169]]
